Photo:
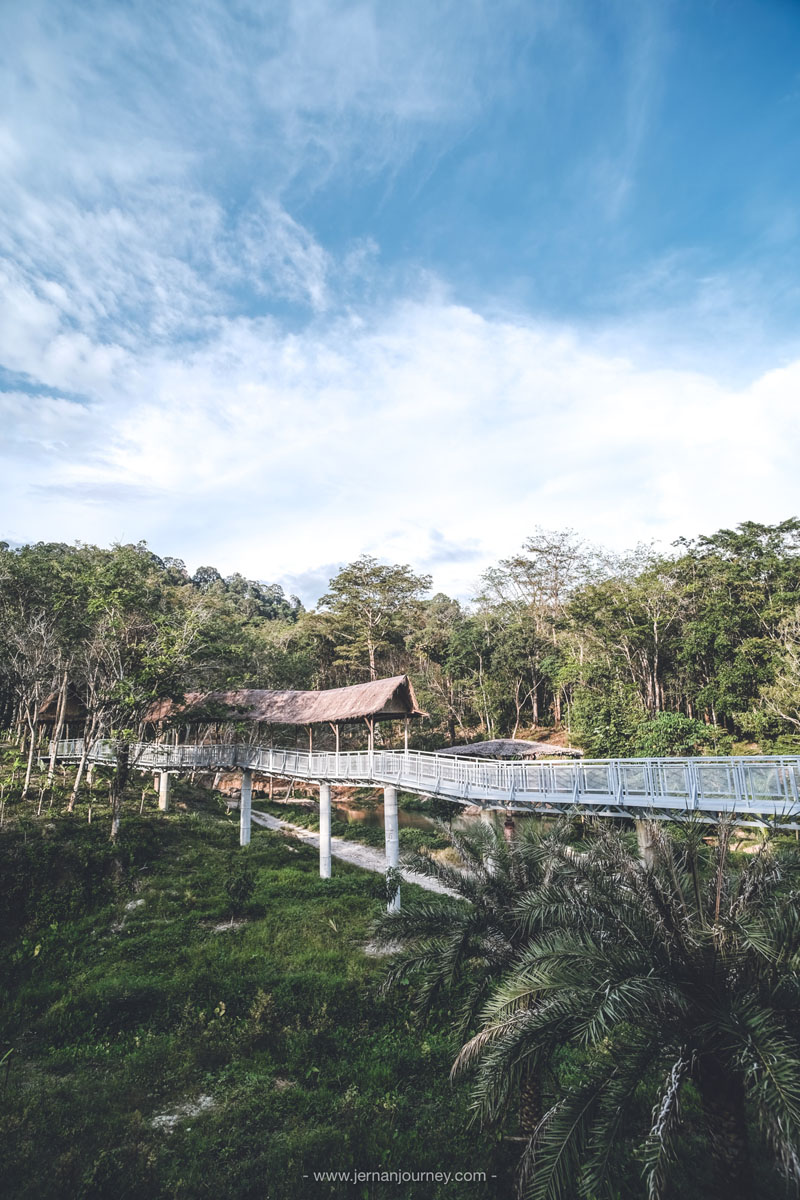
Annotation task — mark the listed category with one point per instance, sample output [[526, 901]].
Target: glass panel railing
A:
[[715, 779], [763, 781], [595, 779], [671, 779], [634, 778]]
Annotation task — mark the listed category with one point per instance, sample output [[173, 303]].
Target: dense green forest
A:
[[693, 652]]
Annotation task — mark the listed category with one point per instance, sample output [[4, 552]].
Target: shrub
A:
[[240, 882]]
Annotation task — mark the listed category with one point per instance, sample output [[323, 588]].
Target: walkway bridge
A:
[[756, 790]]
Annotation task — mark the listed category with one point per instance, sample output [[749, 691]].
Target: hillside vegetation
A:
[[182, 1021]]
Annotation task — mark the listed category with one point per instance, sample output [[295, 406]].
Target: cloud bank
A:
[[428, 434]]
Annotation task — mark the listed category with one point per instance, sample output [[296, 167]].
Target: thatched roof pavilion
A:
[[380, 700], [75, 709], [512, 748]]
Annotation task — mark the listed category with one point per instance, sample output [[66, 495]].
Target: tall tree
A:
[[370, 610], [145, 625]]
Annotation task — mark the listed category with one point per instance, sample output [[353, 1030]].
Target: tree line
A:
[[694, 651]]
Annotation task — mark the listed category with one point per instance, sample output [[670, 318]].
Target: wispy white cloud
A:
[[428, 434], [149, 153]]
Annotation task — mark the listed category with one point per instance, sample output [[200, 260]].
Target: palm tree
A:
[[676, 976], [463, 942]]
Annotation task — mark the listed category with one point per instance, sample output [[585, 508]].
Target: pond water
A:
[[373, 816]]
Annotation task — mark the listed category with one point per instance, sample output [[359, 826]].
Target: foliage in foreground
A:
[[673, 986]]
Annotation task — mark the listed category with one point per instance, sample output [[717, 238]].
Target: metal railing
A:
[[759, 787]]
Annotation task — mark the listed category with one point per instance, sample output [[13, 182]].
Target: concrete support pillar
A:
[[244, 807], [644, 838], [163, 791], [324, 831], [392, 835]]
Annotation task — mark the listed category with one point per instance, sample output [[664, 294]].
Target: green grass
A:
[[116, 1014], [352, 831]]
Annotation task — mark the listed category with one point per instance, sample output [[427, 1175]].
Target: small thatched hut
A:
[[512, 748]]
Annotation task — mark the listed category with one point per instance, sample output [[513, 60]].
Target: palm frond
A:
[[659, 1148], [551, 1166]]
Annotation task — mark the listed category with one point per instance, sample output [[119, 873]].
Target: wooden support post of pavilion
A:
[[335, 727], [370, 724]]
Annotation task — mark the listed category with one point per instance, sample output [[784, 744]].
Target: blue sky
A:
[[283, 283]]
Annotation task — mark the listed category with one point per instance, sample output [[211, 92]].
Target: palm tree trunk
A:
[[723, 1106], [530, 1101]]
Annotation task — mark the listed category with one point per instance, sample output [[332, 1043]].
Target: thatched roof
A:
[[381, 700], [511, 748], [76, 709]]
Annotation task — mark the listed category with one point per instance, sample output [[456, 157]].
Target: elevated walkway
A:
[[756, 790]]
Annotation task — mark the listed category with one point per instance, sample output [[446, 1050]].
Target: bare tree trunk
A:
[[57, 729], [517, 709], [31, 751], [88, 740], [487, 718], [118, 787], [18, 724], [73, 796]]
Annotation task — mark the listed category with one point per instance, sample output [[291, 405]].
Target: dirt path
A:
[[366, 857]]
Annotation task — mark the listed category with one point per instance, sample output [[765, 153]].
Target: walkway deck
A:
[[757, 790]]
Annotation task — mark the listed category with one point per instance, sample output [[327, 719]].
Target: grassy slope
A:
[[351, 831], [117, 1015]]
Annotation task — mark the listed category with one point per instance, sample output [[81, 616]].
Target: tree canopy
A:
[[691, 652]]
